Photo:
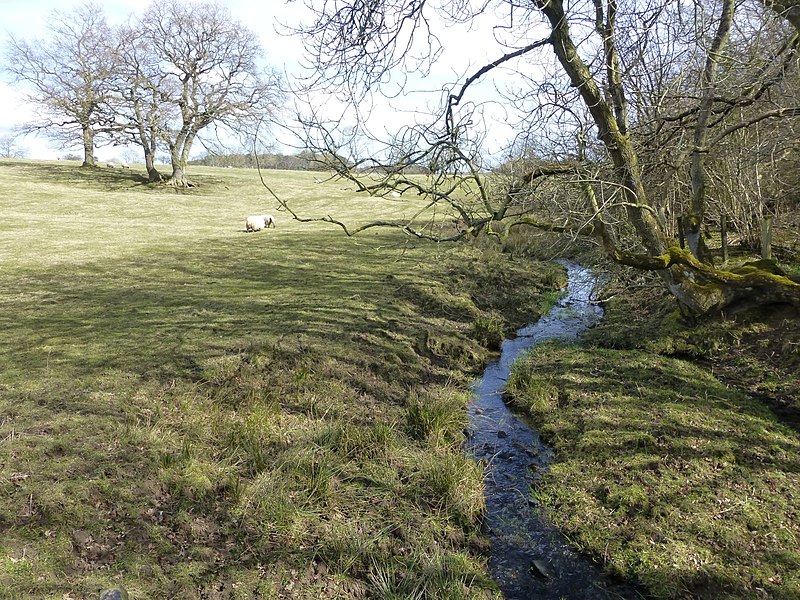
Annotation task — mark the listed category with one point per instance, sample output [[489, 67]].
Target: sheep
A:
[[109, 165], [259, 222], [126, 165]]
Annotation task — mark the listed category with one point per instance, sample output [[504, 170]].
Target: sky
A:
[[27, 19]]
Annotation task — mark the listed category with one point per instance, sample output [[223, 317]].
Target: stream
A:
[[531, 559]]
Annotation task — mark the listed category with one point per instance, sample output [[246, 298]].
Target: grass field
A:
[[197, 412]]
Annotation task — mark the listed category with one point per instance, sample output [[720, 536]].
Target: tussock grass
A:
[[193, 411], [434, 417], [664, 474]]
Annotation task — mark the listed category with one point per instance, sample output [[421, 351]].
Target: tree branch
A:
[[773, 114]]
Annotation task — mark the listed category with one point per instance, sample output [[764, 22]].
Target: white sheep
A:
[[259, 222], [109, 165], [126, 165]]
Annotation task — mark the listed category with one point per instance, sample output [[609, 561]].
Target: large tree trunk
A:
[[618, 144], [178, 177], [153, 176], [88, 147], [148, 140], [697, 286], [179, 154], [705, 289]]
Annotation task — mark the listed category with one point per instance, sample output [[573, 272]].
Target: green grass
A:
[[756, 351], [664, 474], [193, 411]]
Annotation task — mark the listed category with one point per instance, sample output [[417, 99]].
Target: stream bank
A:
[[530, 558]]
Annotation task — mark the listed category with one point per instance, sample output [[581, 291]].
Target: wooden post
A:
[[724, 234], [766, 238]]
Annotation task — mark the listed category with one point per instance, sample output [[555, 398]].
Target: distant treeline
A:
[[304, 161]]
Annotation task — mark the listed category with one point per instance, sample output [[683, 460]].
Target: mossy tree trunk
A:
[[696, 285]]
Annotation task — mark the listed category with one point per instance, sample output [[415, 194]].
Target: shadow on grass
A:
[[72, 174], [116, 179], [162, 312], [149, 397], [756, 351]]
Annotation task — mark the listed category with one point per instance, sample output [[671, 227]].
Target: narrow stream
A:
[[530, 558]]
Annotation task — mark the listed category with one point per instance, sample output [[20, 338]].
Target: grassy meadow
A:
[[192, 411]]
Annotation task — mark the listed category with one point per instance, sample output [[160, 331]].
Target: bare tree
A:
[[192, 66], [68, 74], [9, 147], [138, 100], [694, 106], [618, 100]]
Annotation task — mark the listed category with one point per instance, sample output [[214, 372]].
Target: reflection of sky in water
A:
[[529, 558]]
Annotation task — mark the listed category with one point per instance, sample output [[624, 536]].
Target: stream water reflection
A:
[[531, 559]]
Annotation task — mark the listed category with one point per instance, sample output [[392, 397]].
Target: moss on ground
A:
[[756, 351], [665, 472]]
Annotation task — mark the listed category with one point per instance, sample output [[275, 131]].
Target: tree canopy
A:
[[68, 73], [208, 73]]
